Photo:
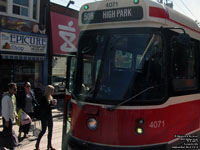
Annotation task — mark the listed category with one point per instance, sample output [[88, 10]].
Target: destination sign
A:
[[112, 15]]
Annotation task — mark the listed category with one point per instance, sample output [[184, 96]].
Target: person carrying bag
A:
[[23, 118], [26, 101]]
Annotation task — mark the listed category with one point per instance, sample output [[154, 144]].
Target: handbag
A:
[[23, 118], [8, 139]]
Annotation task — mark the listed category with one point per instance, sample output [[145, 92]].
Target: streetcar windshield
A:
[[114, 67]]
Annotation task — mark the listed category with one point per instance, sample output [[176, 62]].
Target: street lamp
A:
[[70, 2]]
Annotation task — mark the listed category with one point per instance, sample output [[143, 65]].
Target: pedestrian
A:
[[47, 104], [26, 101], [9, 109], [39, 90]]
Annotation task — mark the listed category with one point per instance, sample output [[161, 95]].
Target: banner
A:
[[65, 33]]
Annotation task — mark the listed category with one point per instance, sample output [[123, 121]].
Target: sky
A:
[[190, 8]]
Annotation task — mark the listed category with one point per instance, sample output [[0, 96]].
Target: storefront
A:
[[22, 58]]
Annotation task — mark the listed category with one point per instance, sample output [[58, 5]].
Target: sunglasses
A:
[[28, 86]]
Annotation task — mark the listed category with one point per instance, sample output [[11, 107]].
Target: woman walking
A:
[[47, 104], [26, 101]]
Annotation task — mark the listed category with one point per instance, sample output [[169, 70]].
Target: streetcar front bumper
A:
[[78, 144]]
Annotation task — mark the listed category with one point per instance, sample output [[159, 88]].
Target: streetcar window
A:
[[138, 64], [87, 78], [123, 59], [72, 73], [114, 67], [190, 61], [183, 65]]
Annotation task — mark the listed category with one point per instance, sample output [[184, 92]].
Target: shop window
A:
[[24, 9], [34, 9], [20, 7], [26, 71], [19, 71], [3, 5]]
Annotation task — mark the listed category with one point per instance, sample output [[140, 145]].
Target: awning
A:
[[22, 57]]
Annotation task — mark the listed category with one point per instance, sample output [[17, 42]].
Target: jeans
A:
[[8, 129], [46, 122]]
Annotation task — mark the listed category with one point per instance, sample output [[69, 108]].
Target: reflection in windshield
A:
[[116, 67]]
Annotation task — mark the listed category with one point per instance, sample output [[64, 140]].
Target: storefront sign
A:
[[14, 42], [65, 33]]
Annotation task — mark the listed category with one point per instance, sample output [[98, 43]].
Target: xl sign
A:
[[68, 34]]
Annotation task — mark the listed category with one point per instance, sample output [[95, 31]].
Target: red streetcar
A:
[[134, 82]]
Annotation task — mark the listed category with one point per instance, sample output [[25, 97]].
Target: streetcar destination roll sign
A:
[[112, 15]]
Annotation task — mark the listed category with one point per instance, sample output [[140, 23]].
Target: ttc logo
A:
[[68, 34]]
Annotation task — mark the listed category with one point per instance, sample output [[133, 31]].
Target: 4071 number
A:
[[157, 124]]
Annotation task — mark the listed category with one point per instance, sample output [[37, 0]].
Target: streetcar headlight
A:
[[139, 130], [92, 123]]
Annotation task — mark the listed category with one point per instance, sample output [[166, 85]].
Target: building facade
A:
[[23, 42], [35, 37]]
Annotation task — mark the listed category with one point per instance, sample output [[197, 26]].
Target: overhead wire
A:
[[188, 9], [183, 9], [177, 5], [180, 9]]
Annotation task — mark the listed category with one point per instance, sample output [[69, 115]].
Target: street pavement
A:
[[29, 143]]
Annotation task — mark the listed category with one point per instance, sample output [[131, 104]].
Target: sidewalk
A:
[[29, 143], [55, 113]]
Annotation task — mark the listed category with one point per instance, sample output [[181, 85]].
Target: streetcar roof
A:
[[154, 15]]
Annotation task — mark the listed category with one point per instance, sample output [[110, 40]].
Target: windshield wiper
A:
[[145, 51], [130, 99], [101, 67]]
